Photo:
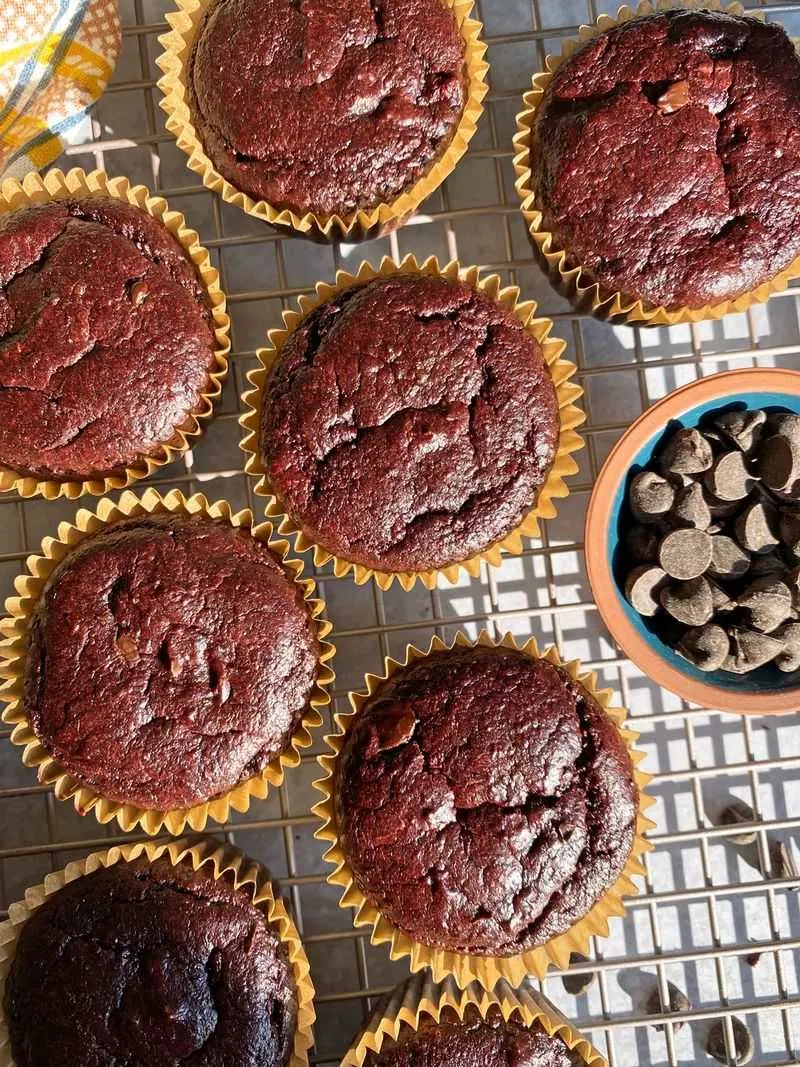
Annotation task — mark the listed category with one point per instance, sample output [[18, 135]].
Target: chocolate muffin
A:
[[409, 423], [384, 80], [484, 801], [170, 658], [473, 1042], [666, 157], [150, 965], [106, 338]]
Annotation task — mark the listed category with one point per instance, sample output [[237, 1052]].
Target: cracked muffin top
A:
[[409, 423], [106, 338], [170, 658], [485, 801], [324, 106], [666, 157], [150, 965], [473, 1042]]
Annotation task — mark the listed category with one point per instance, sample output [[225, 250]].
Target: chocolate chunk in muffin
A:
[[170, 659], [409, 423], [666, 156], [150, 965], [485, 801], [473, 1042], [326, 107], [106, 338]]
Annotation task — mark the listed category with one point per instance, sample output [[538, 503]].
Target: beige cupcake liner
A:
[[561, 371], [383, 218], [55, 185], [420, 999], [575, 282], [14, 646], [247, 875], [487, 971]]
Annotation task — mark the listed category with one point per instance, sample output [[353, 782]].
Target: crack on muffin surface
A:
[[162, 965], [169, 660], [500, 818], [666, 160], [91, 381], [409, 423], [387, 81]]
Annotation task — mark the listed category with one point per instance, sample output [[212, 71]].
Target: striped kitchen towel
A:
[[56, 57]]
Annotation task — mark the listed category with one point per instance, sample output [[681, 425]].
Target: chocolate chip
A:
[[689, 602], [788, 660], [757, 527], [651, 496], [790, 531], [730, 478], [750, 650], [138, 293], [779, 455], [685, 554], [675, 97], [779, 463], [721, 509], [767, 563], [579, 982], [704, 646], [394, 726], [783, 865], [720, 599], [727, 558], [686, 452], [690, 507], [752, 958], [792, 579], [785, 423], [743, 1044], [642, 543], [642, 587], [678, 1001], [769, 602], [737, 811], [742, 428], [128, 648]]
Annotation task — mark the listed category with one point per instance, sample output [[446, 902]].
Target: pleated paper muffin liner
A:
[[14, 630], [575, 282], [368, 222], [420, 999], [465, 968], [225, 862], [561, 371], [35, 189]]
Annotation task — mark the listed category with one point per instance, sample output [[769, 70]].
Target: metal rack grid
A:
[[708, 907]]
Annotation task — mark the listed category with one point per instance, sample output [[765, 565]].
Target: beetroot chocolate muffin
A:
[[170, 658], [666, 157], [150, 965], [326, 107], [473, 1041], [409, 423], [106, 338], [485, 801]]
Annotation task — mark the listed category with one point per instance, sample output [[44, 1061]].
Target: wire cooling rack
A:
[[715, 919]]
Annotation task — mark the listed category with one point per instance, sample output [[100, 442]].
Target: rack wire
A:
[[713, 918]]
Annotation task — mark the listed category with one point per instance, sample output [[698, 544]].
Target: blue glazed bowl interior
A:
[[766, 679]]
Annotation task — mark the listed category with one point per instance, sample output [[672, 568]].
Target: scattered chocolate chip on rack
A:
[[713, 552]]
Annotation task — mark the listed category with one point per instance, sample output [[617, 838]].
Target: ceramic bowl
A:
[[766, 691]]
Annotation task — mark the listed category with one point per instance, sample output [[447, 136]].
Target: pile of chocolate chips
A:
[[714, 546]]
